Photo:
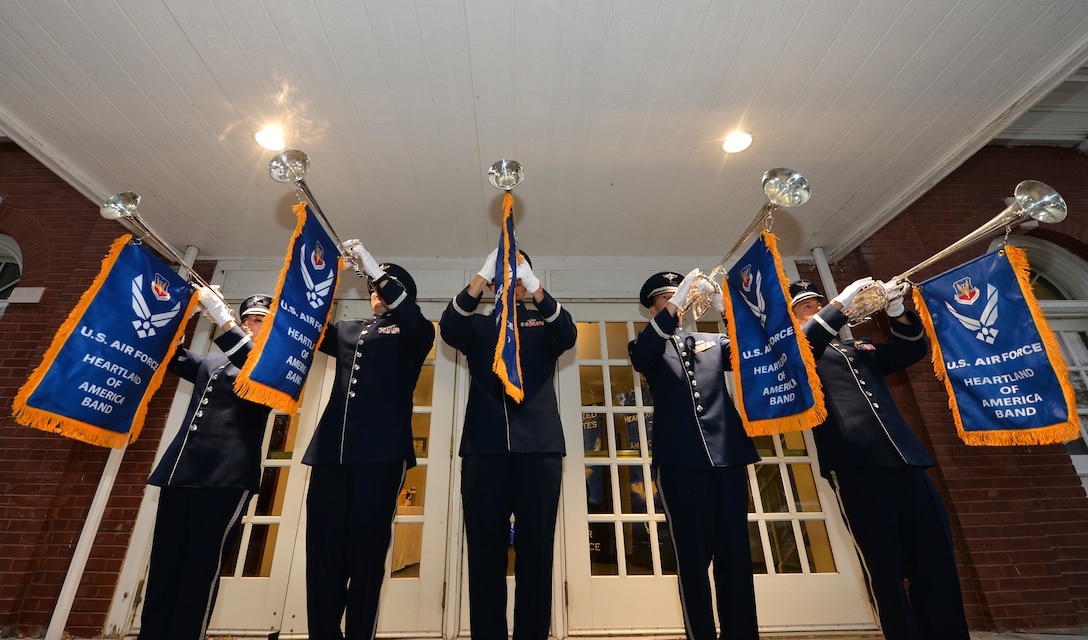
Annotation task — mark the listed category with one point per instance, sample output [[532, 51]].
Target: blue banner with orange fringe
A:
[[999, 360], [283, 351], [106, 360], [773, 366], [507, 363]]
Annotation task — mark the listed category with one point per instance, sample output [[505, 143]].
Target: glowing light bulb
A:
[[271, 138], [737, 141]]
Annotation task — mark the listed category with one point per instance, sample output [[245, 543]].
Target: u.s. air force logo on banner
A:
[[965, 295], [752, 285], [147, 322], [283, 351], [317, 288], [107, 359], [1000, 362]]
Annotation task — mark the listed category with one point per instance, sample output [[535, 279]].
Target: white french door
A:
[[618, 554]]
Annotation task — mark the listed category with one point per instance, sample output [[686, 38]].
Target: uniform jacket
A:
[[369, 415], [219, 443], [695, 422], [864, 428], [494, 423]]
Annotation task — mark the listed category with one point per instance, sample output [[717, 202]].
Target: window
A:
[[11, 265], [1060, 282], [11, 268]]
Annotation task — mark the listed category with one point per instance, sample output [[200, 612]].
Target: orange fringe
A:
[[811, 417], [1051, 434], [29, 416], [261, 393]]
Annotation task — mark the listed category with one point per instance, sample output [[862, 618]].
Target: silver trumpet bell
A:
[[122, 205], [505, 174], [1040, 201], [289, 166], [784, 188], [1031, 200]]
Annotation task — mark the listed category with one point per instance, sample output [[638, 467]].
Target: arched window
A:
[[1060, 282], [11, 265], [11, 269]]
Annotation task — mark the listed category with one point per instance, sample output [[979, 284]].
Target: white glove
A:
[[527, 277], [214, 305], [681, 295], [851, 290], [895, 294], [363, 257], [200, 308], [895, 308], [346, 251], [718, 302], [487, 272]]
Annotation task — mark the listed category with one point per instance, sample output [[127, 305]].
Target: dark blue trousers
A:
[[707, 512], [349, 527], [901, 529], [195, 528], [525, 485]]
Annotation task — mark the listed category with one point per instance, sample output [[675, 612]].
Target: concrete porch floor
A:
[[1070, 634]]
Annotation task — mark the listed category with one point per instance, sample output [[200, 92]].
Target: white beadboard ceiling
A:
[[617, 110]]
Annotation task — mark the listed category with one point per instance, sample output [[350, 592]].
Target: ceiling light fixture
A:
[[737, 141], [271, 138]]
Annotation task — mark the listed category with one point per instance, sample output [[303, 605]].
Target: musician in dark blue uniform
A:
[[877, 468], [700, 458], [360, 453], [206, 478], [511, 455]]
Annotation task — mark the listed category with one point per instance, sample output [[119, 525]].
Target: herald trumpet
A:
[[1031, 200], [291, 166], [784, 188], [122, 206]]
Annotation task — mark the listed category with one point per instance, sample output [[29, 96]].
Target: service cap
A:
[[663, 282], [398, 273], [803, 290], [258, 304]]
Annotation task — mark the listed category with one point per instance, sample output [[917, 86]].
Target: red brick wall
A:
[[1019, 514], [47, 481]]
